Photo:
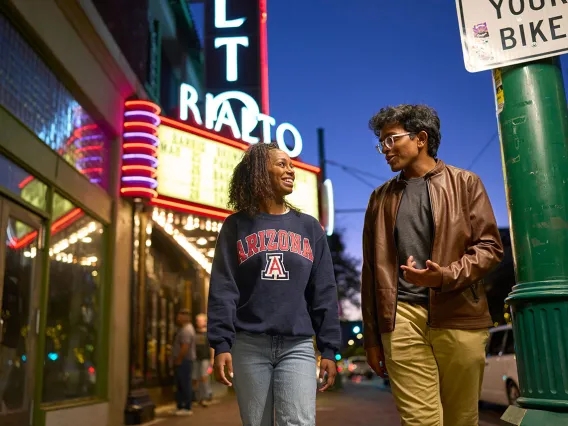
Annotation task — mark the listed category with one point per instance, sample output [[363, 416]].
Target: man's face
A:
[[404, 150], [181, 319], [201, 321]]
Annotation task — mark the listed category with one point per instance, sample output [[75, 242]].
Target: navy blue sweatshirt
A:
[[273, 274]]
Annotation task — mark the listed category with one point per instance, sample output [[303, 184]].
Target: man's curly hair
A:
[[414, 118], [250, 184]]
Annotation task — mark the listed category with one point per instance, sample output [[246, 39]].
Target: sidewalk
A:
[[222, 412]]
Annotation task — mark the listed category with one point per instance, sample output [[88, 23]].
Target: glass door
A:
[[21, 240]]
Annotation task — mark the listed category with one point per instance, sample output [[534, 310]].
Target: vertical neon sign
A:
[[140, 147]]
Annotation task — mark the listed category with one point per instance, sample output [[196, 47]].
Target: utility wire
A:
[[482, 150], [340, 211], [355, 173], [354, 170], [360, 179]]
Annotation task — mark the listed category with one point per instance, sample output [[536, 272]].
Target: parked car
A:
[[358, 366], [500, 379]]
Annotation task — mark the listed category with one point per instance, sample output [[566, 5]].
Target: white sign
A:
[[497, 33]]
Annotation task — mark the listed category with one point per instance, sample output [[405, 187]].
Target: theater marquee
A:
[[198, 169]]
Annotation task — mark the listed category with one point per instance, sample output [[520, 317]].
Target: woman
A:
[[272, 288]]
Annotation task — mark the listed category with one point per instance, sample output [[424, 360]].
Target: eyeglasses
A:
[[388, 142]]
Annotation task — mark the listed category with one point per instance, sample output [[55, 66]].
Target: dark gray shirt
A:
[[413, 235], [185, 335]]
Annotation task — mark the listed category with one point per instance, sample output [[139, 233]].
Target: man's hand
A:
[[221, 361], [327, 366], [376, 359], [429, 277]]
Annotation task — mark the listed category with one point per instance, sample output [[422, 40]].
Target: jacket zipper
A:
[[431, 246], [397, 270], [474, 294]]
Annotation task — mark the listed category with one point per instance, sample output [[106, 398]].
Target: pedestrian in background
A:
[[183, 351], [272, 288], [429, 238], [204, 356]]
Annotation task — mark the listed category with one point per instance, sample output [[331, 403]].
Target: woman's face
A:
[[281, 172]]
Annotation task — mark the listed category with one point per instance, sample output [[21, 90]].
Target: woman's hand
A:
[[327, 366], [221, 361]]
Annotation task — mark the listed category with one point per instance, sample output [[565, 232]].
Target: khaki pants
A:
[[435, 374]]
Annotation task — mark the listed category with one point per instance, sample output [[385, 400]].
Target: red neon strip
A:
[[155, 108], [150, 126], [92, 170], [77, 133], [305, 166], [189, 208], [88, 148], [139, 189], [152, 148], [25, 182], [264, 57], [24, 241], [152, 170], [66, 220], [181, 126], [58, 225], [70, 140], [209, 135]]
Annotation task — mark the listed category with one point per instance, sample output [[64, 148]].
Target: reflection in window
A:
[[15, 348], [20, 182], [76, 252], [32, 93], [164, 293]]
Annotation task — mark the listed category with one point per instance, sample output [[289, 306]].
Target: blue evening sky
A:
[[334, 63]]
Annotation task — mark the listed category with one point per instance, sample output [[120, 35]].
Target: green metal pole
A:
[[534, 140]]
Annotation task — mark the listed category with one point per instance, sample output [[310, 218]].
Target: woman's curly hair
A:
[[250, 184]]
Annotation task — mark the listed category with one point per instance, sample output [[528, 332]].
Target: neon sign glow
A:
[[219, 108]]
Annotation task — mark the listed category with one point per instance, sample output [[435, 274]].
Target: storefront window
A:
[[34, 95], [76, 252], [165, 291], [20, 182]]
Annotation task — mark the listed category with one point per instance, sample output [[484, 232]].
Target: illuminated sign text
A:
[[196, 169]]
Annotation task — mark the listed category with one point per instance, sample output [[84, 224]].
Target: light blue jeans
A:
[[275, 378]]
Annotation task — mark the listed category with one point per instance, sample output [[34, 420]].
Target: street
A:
[[366, 403]]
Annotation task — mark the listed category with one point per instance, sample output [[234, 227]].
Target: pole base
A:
[[517, 416], [139, 408]]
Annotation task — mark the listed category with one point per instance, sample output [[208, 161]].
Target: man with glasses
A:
[[429, 238]]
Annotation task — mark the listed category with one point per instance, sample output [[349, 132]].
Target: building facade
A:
[[65, 257], [118, 138]]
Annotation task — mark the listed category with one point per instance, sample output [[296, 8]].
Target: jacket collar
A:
[[439, 168]]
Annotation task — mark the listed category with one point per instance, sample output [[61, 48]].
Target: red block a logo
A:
[[275, 268]]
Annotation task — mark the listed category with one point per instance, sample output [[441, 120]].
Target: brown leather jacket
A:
[[466, 244]]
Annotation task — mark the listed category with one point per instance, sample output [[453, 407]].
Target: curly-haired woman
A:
[[272, 288]]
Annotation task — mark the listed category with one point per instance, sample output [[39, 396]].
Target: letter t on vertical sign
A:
[[232, 57], [232, 45]]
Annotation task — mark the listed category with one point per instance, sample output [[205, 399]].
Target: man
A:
[[205, 357], [183, 351], [429, 238]]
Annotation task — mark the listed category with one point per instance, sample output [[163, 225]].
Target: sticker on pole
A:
[[497, 33], [499, 94]]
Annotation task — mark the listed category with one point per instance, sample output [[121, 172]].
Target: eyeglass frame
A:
[[381, 144]]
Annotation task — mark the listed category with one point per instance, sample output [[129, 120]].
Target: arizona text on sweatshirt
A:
[[273, 274]]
